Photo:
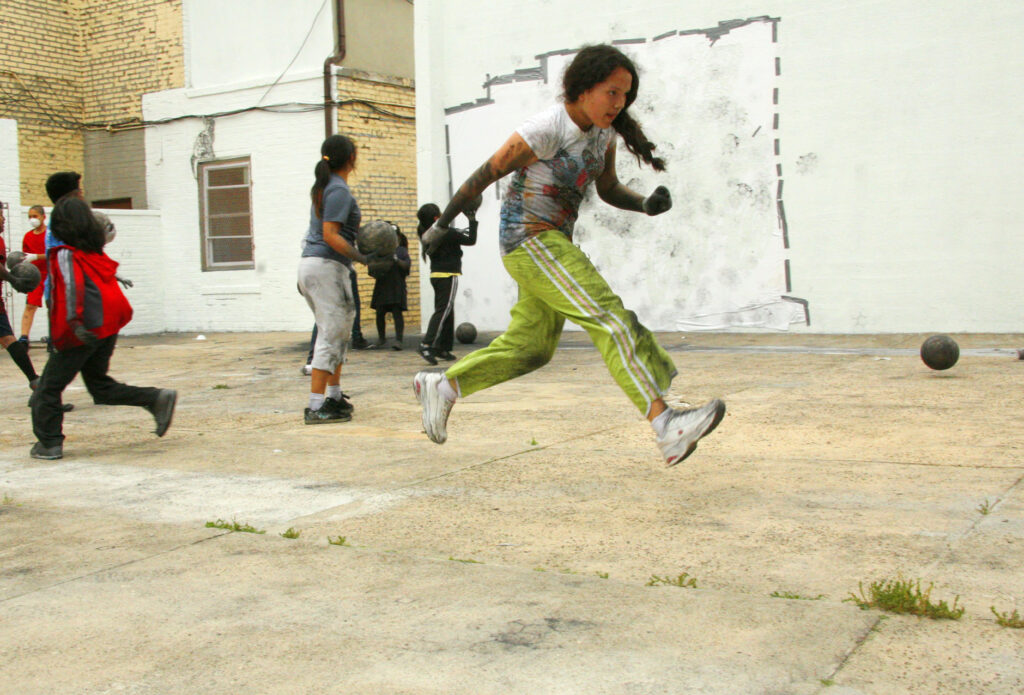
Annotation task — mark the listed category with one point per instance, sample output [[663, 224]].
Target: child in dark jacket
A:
[[445, 269], [86, 309]]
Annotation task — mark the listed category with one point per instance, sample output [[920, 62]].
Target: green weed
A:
[[790, 594], [984, 508], [221, 386], [468, 561], [827, 682], [602, 575], [533, 441], [340, 540], [7, 499], [291, 533], [905, 596], [233, 526], [1008, 619], [684, 580]]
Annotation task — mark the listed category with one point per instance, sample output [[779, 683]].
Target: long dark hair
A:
[[426, 215], [593, 65], [336, 152], [74, 224]]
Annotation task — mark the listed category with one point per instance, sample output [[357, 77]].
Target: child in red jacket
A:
[[87, 309]]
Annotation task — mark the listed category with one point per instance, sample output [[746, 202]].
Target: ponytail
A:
[[336, 152], [636, 142], [322, 174]]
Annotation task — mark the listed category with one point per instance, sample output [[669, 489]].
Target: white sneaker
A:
[[685, 427], [435, 406]]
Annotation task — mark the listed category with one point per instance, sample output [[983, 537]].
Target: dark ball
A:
[[466, 333], [940, 352], [15, 258], [377, 237], [25, 277]]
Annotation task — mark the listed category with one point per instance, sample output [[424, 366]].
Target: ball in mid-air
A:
[[377, 237], [465, 333], [940, 352]]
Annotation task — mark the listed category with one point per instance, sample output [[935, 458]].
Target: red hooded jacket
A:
[[83, 290]]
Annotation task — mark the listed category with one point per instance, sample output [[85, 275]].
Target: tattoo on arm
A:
[[514, 154]]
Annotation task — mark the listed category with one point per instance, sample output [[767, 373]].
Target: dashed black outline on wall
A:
[[540, 73]]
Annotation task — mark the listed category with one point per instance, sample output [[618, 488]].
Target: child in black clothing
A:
[[445, 269], [390, 295]]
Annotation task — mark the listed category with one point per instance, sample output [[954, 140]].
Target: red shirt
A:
[[36, 244]]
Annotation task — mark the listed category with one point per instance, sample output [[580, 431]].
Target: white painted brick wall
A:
[[283, 149]]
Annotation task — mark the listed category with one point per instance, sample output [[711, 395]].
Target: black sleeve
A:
[[466, 237]]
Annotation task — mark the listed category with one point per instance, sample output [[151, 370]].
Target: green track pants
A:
[[556, 282]]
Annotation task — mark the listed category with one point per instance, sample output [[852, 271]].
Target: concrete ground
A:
[[516, 558]]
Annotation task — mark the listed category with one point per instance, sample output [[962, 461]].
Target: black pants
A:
[[92, 362], [396, 314], [441, 329]]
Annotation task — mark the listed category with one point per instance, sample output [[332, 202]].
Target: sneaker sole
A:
[[343, 418], [719, 414]]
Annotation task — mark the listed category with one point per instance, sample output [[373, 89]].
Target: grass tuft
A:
[[791, 595], [468, 561], [1008, 619], [233, 526], [684, 580], [985, 508], [340, 540], [291, 533], [905, 596]]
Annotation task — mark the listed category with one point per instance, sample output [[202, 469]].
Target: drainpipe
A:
[[330, 114]]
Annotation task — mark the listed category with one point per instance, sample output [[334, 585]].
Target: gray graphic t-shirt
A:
[[547, 194]]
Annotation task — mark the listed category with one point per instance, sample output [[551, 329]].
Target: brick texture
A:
[[384, 181], [66, 63]]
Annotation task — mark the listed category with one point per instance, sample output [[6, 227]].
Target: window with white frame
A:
[[225, 212]]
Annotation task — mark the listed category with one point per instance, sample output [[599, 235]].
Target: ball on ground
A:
[[465, 333], [15, 258], [377, 237], [25, 277], [940, 352]]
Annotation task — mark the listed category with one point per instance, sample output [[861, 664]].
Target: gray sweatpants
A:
[[327, 287]]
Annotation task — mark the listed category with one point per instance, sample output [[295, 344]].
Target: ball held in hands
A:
[[658, 202], [15, 258], [25, 277]]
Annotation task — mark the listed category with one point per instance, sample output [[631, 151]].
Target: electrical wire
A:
[[295, 57]]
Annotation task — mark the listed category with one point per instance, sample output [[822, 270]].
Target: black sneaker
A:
[[360, 343], [325, 414], [427, 353], [446, 355], [341, 404], [48, 453], [163, 410]]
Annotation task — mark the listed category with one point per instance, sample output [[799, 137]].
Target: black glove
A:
[[432, 238], [658, 202], [84, 334]]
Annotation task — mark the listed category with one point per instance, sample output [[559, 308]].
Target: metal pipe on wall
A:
[[335, 58]]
